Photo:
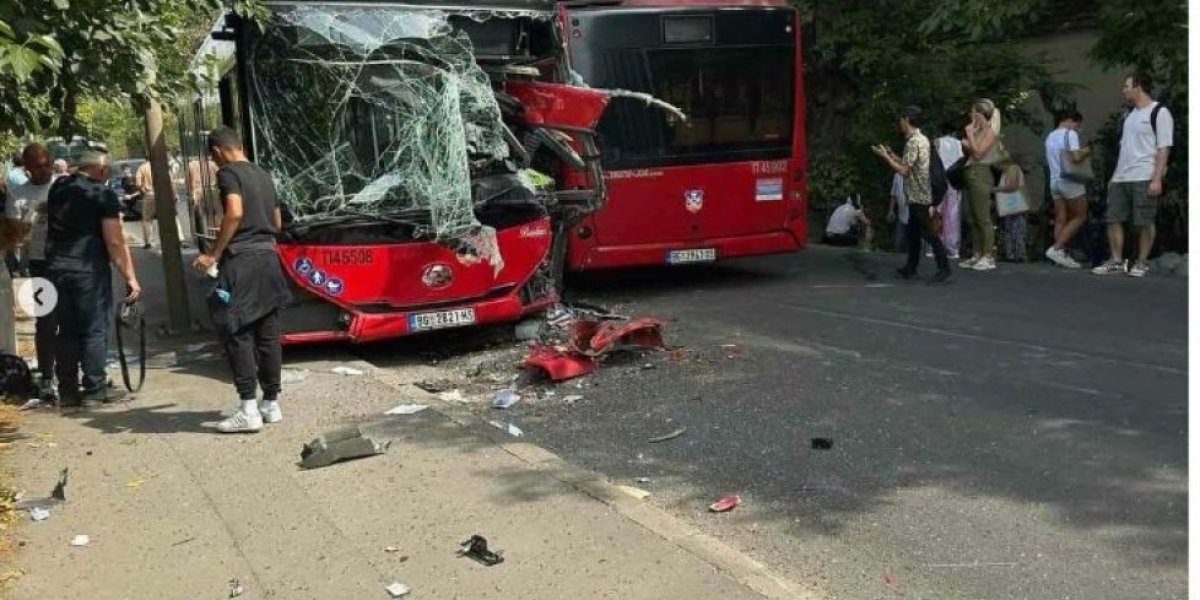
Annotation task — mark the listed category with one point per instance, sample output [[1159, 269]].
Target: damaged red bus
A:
[[409, 143], [728, 182]]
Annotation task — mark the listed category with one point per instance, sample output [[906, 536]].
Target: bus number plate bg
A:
[[441, 320], [699, 255]]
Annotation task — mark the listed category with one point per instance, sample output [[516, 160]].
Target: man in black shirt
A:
[[251, 287], [83, 236]]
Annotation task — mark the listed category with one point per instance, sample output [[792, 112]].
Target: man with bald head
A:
[[84, 236]]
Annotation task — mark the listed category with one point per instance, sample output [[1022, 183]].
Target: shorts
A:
[[1127, 199], [1065, 189], [148, 208]]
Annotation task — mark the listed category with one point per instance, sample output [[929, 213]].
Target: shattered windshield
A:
[[375, 112]]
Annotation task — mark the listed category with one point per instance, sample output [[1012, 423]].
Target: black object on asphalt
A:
[[337, 446], [60, 490], [822, 443], [476, 548]]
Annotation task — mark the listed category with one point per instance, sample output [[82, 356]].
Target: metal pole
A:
[[164, 206]]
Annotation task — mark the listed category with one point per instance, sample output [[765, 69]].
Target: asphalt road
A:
[[1013, 434]]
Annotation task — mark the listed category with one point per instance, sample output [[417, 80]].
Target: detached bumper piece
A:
[[338, 446]]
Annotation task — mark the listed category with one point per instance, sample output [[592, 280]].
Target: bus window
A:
[[738, 101]]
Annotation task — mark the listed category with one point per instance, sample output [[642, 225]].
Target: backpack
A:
[[1153, 119], [15, 377], [938, 183]]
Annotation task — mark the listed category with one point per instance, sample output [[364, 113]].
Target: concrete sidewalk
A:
[[175, 510]]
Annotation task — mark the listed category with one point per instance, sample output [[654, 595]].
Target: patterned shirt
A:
[[916, 158]]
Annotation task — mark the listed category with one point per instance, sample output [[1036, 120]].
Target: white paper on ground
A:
[[407, 409]]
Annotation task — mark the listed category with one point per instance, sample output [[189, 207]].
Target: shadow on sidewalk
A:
[[158, 418]]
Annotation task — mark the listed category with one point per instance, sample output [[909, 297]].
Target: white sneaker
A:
[[1110, 267], [1061, 258], [241, 422], [1139, 269], [970, 262], [271, 413], [953, 256], [984, 264]]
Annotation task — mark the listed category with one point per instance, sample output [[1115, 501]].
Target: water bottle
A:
[[224, 295]]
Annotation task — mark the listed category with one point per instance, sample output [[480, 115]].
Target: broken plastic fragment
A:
[[572, 399], [669, 436], [636, 493], [80, 541], [407, 409], [135, 483], [346, 371], [512, 430], [477, 548], [337, 446], [60, 489], [38, 513], [397, 590], [822, 443], [505, 398], [236, 588], [642, 479], [726, 504], [452, 396]]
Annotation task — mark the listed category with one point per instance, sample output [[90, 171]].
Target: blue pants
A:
[[84, 308]]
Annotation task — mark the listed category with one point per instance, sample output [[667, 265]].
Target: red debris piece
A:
[[560, 364], [888, 579], [591, 339], [726, 504]]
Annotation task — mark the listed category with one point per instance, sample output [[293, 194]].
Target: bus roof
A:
[[677, 3]]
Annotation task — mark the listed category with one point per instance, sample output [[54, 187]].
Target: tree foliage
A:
[[55, 54], [866, 59]]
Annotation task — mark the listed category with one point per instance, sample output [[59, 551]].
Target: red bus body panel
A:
[[747, 208], [380, 287]]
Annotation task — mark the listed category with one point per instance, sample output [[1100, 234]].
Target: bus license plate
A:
[[699, 255], [441, 320]]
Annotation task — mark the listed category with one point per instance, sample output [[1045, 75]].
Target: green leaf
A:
[[49, 43], [62, 4], [23, 61]]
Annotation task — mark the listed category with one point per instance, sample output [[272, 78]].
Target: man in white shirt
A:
[[1070, 197], [27, 203], [1137, 183], [843, 227]]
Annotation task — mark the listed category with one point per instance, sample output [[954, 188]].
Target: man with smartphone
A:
[[914, 168]]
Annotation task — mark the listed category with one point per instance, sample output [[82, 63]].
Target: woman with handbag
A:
[[1012, 206], [1070, 171], [983, 149]]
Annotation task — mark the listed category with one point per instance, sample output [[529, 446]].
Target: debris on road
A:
[[505, 398], [888, 579], [452, 396], [347, 371], [590, 340], [135, 483], [726, 504], [391, 549], [80, 541], [512, 430], [529, 330], [236, 588], [822, 443], [337, 446], [293, 375], [668, 436], [398, 590], [60, 489], [636, 493], [407, 409], [572, 399], [435, 387], [38, 513], [642, 480], [476, 548]]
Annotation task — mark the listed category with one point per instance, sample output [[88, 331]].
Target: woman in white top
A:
[[1070, 197], [981, 144]]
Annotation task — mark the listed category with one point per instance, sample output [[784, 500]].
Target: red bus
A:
[[729, 182], [407, 141]]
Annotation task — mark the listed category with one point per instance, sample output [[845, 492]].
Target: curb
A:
[[722, 557]]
